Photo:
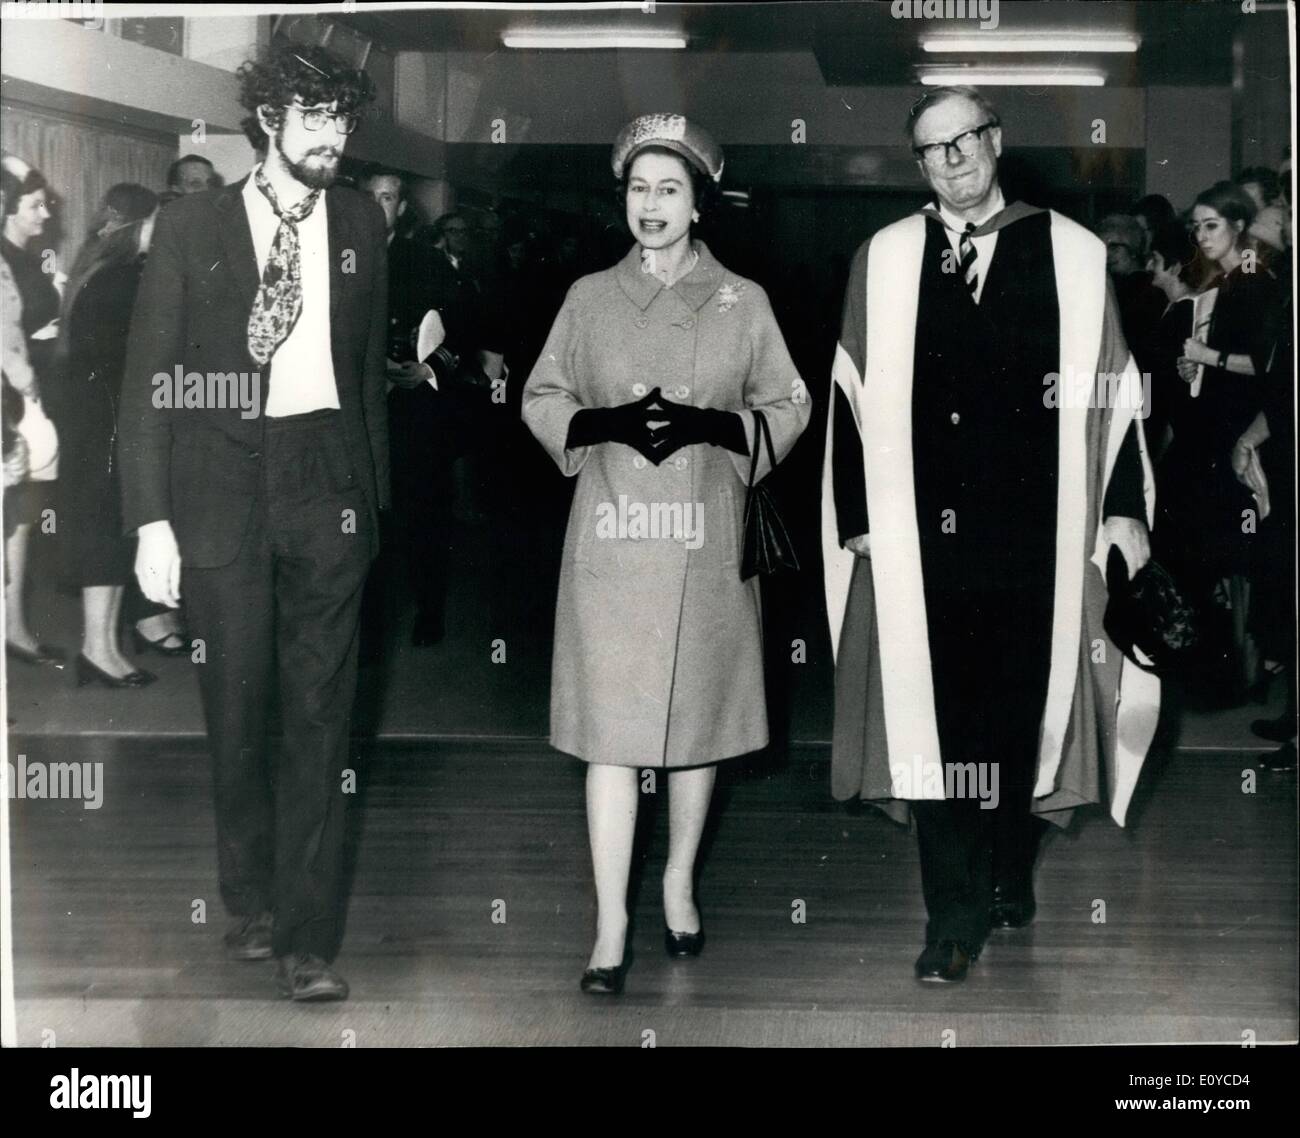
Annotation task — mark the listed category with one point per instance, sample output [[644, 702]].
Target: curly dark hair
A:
[[704, 190], [310, 73]]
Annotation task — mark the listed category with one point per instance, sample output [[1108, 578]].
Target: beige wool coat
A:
[[658, 658]]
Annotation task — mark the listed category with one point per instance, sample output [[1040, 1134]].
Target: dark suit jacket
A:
[[200, 468]]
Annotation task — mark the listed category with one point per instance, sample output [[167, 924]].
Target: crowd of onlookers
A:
[[1204, 299]]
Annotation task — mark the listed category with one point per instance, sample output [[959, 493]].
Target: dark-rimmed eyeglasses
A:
[[314, 118], [966, 144]]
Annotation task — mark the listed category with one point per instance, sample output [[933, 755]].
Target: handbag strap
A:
[[764, 432]]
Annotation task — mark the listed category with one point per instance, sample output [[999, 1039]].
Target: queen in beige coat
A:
[[645, 391]]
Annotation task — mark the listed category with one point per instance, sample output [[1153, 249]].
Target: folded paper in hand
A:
[[430, 335]]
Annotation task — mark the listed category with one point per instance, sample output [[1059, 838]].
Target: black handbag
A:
[[1149, 613], [766, 544]]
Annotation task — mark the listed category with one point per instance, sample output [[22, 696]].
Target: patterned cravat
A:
[[279, 297], [966, 251]]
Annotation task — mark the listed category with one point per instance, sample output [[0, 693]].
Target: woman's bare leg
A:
[[101, 611], [689, 792], [611, 824], [16, 630]]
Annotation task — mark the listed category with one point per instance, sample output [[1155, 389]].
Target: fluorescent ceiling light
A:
[[1029, 43], [1012, 77], [607, 40]]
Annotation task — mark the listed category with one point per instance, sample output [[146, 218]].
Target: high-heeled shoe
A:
[[88, 673], [142, 642], [46, 655], [607, 981], [683, 944]]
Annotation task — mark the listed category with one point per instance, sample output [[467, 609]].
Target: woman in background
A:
[[1218, 514], [98, 301], [26, 207], [647, 390]]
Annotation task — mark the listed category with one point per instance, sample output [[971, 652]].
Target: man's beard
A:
[[313, 177]]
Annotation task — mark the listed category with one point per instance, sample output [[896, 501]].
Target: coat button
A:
[[682, 392], [689, 322], [955, 418], [639, 462], [642, 322], [681, 462], [638, 389]]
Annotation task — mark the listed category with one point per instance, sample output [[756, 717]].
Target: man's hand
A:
[[860, 545], [410, 375], [16, 465], [1199, 353], [158, 564], [1131, 536], [1187, 369]]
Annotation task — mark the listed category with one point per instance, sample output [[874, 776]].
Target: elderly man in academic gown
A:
[[984, 456]]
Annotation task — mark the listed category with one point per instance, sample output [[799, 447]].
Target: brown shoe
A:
[[249, 938], [304, 977]]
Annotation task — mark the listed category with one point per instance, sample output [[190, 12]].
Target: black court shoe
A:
[[683, 944], [88, 673], [607, 981], [945, 962], [160, 646]]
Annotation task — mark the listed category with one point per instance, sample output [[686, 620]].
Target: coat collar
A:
[[237, 237], [694, 288]]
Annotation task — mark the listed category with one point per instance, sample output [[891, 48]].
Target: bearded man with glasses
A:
[[265, 517], [972, 493]]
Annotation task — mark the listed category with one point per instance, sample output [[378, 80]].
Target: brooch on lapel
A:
[[728, 295]]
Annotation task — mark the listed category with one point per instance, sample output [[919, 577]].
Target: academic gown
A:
[[984, 417]]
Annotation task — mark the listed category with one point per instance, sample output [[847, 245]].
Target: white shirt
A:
[[302, 367], [984, 246]]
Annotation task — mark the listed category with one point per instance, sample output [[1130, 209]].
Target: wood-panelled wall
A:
[[81, 158]]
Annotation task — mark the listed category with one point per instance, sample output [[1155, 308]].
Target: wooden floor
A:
[[1198, 944]]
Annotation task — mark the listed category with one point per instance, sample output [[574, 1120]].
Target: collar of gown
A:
[[999, 220], [694, 288]]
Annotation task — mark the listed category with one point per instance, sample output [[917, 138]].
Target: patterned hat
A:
[[674, 133]]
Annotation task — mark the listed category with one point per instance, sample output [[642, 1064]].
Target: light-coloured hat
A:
[[674, 133]]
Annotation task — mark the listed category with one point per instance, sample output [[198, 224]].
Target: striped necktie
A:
[[966, 251]]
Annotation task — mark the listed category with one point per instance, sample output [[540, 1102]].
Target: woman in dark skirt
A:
[[1217, 516], [27, 211], [97, 559]]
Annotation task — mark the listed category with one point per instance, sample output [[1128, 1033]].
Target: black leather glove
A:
[[689, 425], [627, 424]]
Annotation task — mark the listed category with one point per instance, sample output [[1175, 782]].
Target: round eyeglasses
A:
[[966, 144], [314, 118]]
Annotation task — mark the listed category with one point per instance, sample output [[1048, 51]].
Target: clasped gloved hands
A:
[[657, 427]]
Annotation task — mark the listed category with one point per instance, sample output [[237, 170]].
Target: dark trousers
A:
[[422, 448], [990, 654], [283, 618]]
